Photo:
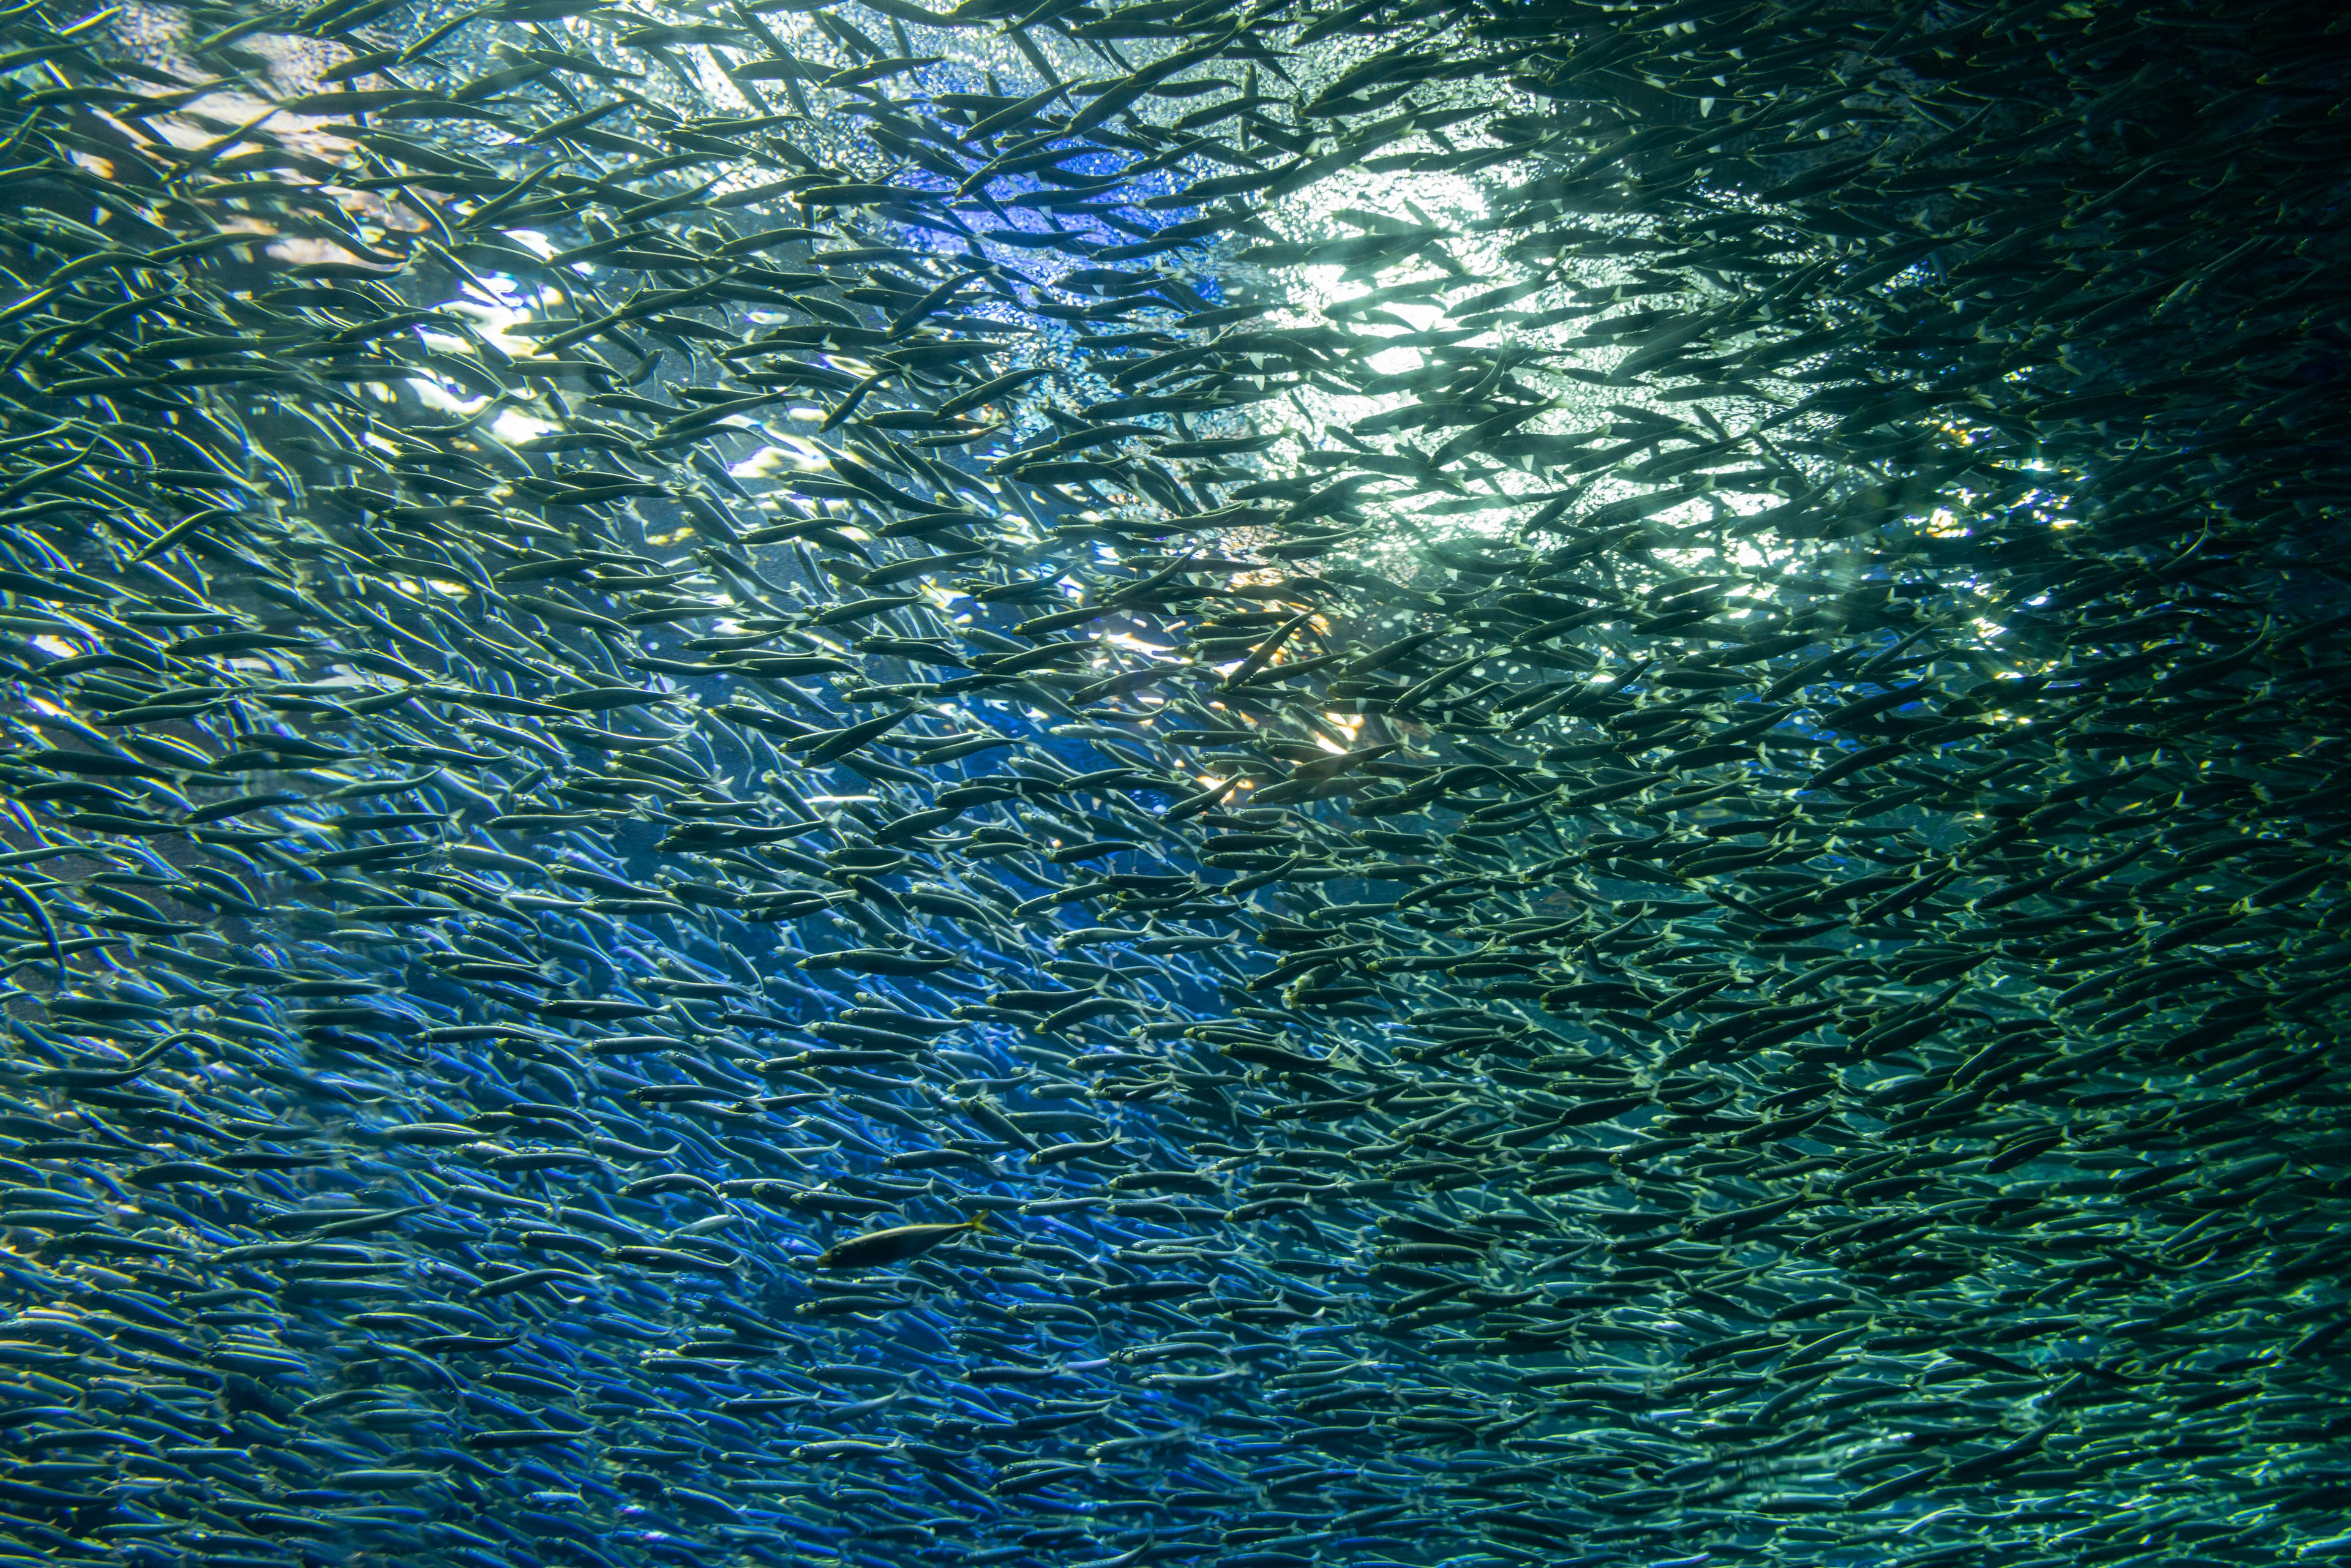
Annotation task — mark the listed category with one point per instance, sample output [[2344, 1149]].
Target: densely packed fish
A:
[[1447, 782]]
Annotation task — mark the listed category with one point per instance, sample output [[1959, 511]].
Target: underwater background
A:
[[1278, 786]]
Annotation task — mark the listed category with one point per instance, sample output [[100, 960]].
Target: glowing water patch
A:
[[513, 426]]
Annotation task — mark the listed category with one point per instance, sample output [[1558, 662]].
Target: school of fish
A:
[[1291, 785]]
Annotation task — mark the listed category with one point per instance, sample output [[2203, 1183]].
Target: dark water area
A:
[[1281, 787]]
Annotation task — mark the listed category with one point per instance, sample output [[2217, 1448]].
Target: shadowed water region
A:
[[1437, 785]]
